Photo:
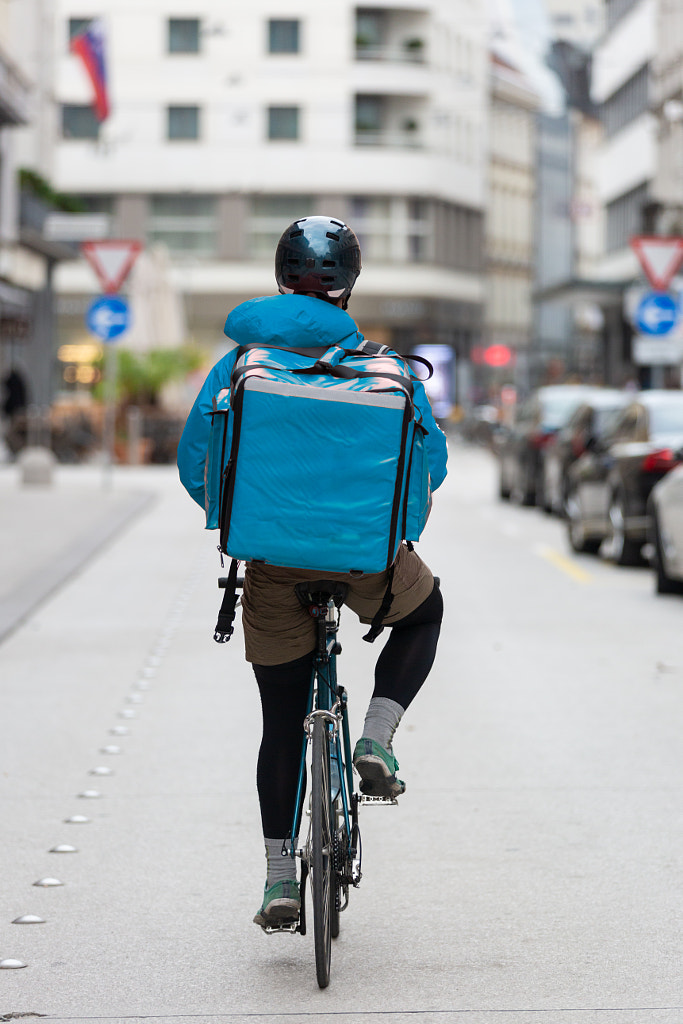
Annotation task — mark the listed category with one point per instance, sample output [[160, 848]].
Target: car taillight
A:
[[660, 461], [540, 440]]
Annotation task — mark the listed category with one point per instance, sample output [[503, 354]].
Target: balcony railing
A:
[[412, 52], [389, 139]]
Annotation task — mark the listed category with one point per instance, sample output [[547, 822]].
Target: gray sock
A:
[[381, 721], [279, 868]]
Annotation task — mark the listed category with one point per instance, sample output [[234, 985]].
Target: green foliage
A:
[[142, 375], [31, 181]]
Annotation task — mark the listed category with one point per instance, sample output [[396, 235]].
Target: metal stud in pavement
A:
[[76, 819], [48, 883], [89, 794], [101, 770], [120, 730], [110, 749], [29, 919], [11, 965], [63, 848], [128, 713]]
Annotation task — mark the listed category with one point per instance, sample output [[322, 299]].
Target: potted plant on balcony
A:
[[414, 47]]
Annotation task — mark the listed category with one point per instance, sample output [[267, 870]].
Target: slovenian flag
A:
[[89, 46]]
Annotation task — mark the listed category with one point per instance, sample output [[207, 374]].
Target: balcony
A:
[[391, 35], [390, 121], [34, 213], [410, 52], [391, 139]]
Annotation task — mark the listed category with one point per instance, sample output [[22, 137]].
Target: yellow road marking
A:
[[565, 564]]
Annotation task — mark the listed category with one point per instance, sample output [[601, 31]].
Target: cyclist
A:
[[317, 262]]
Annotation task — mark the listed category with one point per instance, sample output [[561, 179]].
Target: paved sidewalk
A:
[[49, 532]]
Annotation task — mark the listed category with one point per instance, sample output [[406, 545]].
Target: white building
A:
[[229, 123], [510, 219], [27, 258], [627, 164]]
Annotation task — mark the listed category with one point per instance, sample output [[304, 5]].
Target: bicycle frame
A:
[[328, 700]]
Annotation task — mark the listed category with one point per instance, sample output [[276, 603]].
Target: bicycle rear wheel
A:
[[321, 863]]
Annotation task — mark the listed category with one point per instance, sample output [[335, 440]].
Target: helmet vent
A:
[[292, 261], [326, 280], [329, 263], [338, 223], [331, 234], [296, 234]]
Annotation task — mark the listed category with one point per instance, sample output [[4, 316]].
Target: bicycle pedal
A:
[[367, 799], [287, 926]]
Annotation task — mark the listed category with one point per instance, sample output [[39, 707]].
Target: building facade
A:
[[225, 128], [510, 221], [23, 270]]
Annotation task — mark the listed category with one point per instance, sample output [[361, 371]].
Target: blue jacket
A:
[[287, 321]]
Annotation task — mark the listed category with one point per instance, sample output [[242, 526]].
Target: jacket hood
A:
[[289, 321]]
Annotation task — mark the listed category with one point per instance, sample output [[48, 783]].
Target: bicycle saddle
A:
[[319, 592]]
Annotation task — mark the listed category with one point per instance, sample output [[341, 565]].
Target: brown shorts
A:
[[278, 629]]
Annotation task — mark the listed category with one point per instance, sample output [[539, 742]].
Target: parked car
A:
[[519, 448], [665, 531], [587, 424], [609, 485]]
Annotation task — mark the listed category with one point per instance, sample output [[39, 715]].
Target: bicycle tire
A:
[[335, 888], [321, 865]]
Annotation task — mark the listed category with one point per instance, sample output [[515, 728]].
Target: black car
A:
[[586, 425], [609, 485], [537, 420]]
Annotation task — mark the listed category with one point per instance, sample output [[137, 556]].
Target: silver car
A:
[[666, 531]]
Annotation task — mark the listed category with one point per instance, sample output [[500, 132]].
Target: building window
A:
[[625, 217], [393, 229], [627, 103], [79, 122], [183, 123], [283, 123], [283, 36], [183, 35], [185, 224], [269, 217], [78, 25], [92, 202], [370, 33], [369, 115]]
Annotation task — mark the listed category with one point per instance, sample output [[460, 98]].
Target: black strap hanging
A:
[[376, 626], [226, 616]]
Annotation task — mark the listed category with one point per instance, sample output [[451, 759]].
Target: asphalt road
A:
[[532, 873]]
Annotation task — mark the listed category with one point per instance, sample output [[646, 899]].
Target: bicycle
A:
[[331, 855]]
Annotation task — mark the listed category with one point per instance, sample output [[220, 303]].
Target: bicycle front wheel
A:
[[321, 864]]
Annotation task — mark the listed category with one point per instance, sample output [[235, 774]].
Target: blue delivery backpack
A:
[[317, 460]]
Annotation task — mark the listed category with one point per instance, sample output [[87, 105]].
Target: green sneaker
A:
[[377, 769], [281, 904]]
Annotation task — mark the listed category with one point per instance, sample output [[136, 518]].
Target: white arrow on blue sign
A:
[[108, 317], [656, 314]]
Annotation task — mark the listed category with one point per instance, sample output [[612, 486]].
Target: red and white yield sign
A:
[[659, 256], [111, 259]]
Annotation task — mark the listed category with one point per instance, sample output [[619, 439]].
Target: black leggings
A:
[[401, 669]]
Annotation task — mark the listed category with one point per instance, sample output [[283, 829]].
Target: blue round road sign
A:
[[656, 314], [108, 317]]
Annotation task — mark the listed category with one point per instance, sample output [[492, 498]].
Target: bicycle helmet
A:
[[319, 256]]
